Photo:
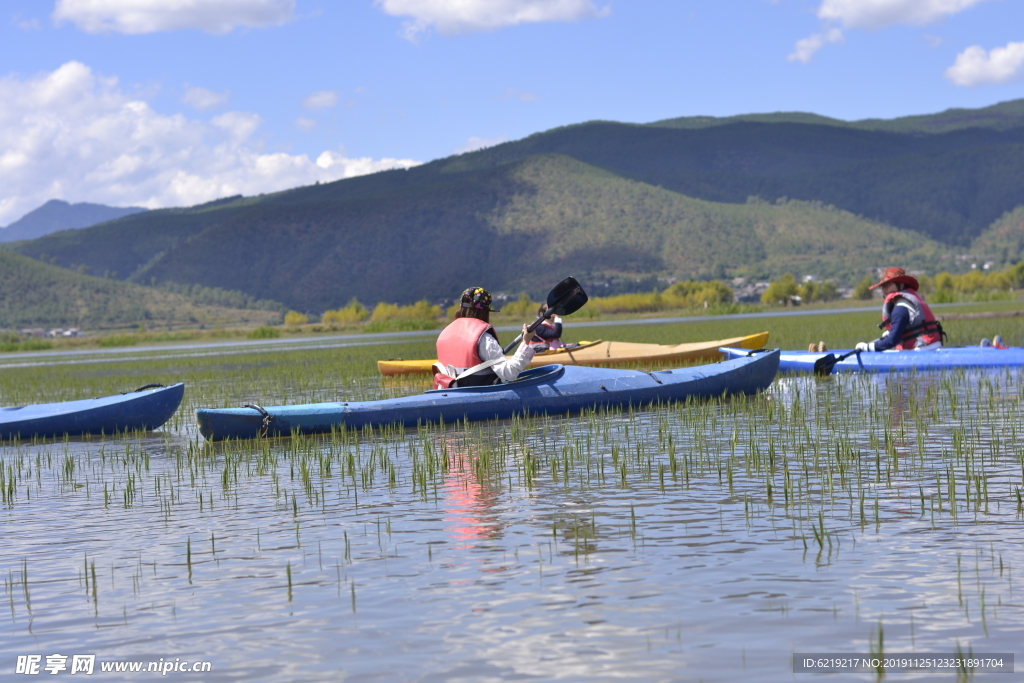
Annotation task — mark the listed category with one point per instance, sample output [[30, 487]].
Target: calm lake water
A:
[[694, 542]]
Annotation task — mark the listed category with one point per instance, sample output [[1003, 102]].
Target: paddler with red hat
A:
[[908, 321]]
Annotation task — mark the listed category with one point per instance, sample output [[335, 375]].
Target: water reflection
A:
[[697, 541], [469, 501]]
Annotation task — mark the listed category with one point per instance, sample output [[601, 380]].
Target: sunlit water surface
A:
[[700, 542]]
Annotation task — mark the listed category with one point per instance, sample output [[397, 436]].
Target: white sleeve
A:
[[509, 368]]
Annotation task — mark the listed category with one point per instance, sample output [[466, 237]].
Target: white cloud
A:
[[974, 66], [805, 49], [31, 24], [475, 143], [151, 16], [346, 167], [870, 15], [517, 94], [239, 125], [454, 17], [201, 98], [73, 135], [873, 14], [305, 124], [322, 99]]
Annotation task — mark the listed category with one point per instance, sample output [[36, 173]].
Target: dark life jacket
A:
[[923, 329]]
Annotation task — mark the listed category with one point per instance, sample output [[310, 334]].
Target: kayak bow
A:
[[145, 408]]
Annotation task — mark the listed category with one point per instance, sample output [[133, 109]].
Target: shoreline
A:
[[170, 350]]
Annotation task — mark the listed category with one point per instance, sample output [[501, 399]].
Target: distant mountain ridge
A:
[[56, 215], [600, 200], [1001, 116]]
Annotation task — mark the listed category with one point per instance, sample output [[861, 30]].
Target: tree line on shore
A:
[[710, 296]]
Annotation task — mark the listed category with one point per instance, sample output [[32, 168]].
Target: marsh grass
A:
[[802, 447], [821, 465]]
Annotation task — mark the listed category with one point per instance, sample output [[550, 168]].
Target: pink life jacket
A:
[[457, 347], [923, 329]]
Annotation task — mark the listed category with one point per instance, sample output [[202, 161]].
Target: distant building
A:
[[748, 292]]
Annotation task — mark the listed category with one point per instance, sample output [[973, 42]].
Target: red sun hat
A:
[[897, 275]]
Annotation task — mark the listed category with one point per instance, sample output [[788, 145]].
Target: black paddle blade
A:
[[824, 365], [567, 297]]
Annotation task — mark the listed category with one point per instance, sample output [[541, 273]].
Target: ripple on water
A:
[[697, 541]]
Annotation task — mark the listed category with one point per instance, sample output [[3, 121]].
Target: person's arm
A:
[[898, 322], [509, 368]]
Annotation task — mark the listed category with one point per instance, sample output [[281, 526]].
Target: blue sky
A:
[[175, 102]]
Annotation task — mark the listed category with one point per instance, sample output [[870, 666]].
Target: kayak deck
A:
[[946, 358], [552, 389], [606, 353]]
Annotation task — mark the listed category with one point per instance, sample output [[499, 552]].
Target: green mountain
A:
[[522, 224], [514, 227], [36, 294], [948, 186], [784, 192]]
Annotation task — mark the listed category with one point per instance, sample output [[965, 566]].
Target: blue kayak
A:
[[948, 358], [553, 389], [145, 408]]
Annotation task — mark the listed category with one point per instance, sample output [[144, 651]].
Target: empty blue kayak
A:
[[947, 358], [145, 408], [553, 389]]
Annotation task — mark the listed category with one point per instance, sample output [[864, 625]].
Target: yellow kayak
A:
[[605, 353]]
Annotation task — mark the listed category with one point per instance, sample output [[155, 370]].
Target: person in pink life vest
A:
[[468, 350], [548, 334], [908, 321]]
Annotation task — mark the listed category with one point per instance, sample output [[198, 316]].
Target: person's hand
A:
[[527, 335], [864, 346]]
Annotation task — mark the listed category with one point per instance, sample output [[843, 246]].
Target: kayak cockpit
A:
[[544, 373]]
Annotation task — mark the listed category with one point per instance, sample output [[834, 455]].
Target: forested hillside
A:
[[35, 294], [752, 196], [949, 186], [515, 227], [1004, 241]]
